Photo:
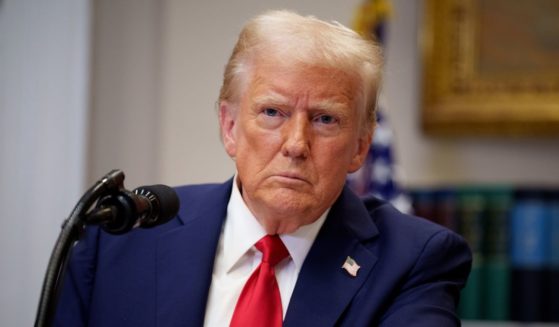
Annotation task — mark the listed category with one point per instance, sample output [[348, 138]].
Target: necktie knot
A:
[[272, 248]]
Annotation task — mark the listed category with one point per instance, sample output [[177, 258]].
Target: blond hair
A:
[[305, 40]]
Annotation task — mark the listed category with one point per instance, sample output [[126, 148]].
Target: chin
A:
[[292, 204], [291, 198]]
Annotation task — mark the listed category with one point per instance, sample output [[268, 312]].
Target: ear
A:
[[363, 144], [227, 123]]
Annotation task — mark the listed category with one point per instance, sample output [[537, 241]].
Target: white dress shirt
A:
[[237, 258]]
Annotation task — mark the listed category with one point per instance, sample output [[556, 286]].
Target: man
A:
[[284, 240]]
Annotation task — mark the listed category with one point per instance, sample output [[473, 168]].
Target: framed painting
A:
[[491, 67]]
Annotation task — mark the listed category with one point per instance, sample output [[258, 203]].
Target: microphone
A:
[[145, 207]]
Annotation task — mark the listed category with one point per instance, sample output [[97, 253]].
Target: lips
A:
[[289, 176]]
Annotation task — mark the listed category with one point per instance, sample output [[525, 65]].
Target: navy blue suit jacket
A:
[[411, 270]]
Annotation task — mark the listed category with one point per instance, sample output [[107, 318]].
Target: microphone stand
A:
[[72, 229]]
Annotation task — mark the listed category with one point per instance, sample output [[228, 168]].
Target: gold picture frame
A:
[[491, 67]]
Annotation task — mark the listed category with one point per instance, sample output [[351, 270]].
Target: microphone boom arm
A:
[[72, 229]]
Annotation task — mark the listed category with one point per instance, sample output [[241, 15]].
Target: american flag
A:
[[378, 175], [351, 266]]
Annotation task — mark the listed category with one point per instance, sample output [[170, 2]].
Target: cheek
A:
[[337, 157], [255, 147], [260, 141], [343, 151]]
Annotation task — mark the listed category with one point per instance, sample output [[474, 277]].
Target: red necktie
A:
[[260, 303]]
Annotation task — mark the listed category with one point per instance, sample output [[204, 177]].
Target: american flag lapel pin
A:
[[351, 266]]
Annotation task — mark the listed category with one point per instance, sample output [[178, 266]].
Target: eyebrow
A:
[[279, 99], [271, 97]]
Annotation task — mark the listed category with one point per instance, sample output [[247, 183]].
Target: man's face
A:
[[295, 134]]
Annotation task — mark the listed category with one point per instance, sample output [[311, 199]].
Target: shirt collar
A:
[[242, 231]]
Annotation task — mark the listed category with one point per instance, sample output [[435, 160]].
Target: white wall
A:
[[44, 48], [125, 90]]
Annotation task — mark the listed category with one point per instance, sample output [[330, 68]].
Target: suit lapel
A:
[[185, 257], [323, 288]]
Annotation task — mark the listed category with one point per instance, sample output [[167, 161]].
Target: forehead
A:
[[274, 81]]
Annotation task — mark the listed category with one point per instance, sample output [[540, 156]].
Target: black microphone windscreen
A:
[[165, 201]]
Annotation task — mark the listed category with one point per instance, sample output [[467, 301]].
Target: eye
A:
[[326, 119], [271, 112], [270, 117]]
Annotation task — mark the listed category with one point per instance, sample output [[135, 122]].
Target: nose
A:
[[297, 137]]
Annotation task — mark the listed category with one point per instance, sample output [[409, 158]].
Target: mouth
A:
[[291, 177]]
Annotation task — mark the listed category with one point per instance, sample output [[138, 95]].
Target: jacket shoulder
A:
[[202, 199], [390, 220]]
